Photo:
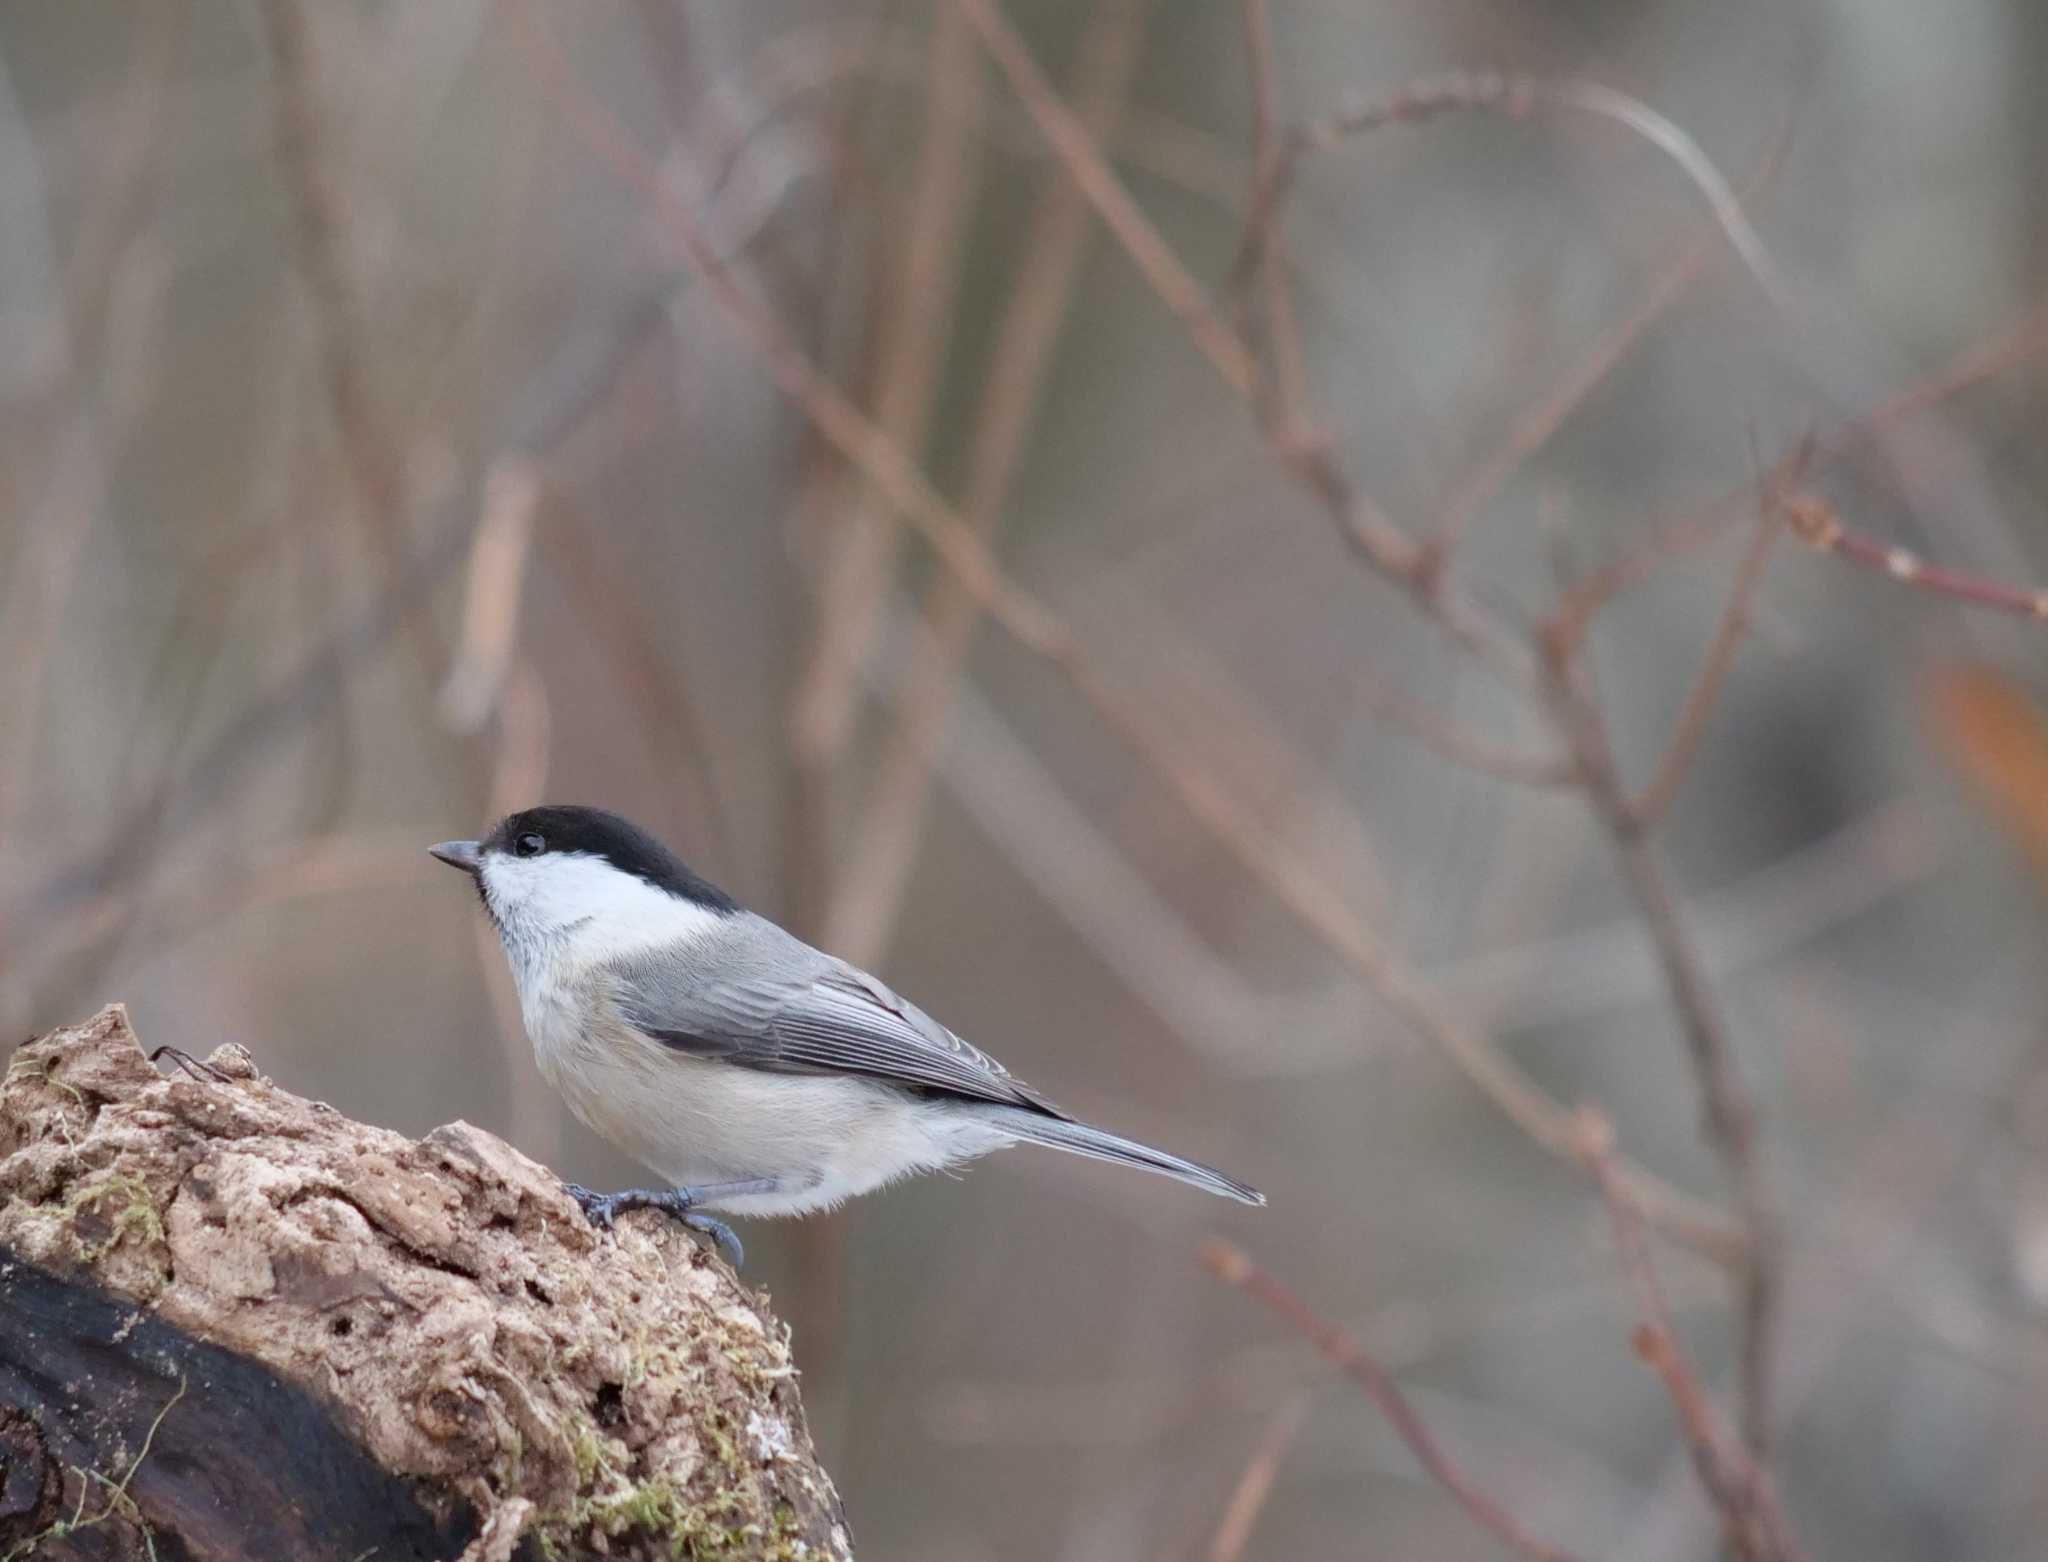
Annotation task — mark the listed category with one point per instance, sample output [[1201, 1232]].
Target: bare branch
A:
[[1655, 799], [1818, 524], [1539, 424], [1972, 366], [1516, 97], [1474, 751], [1306, 454], [1342, 1351], [1036, 628], [1084, 161], [857, 569], [1255, 1485], [870, 893], [1738, 1486], [1730, 1113], [374, 459], [498, 555]]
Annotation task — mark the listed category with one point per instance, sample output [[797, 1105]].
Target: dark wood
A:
[[241, 1465]]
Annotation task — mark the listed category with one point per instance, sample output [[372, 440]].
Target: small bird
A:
[[754, 1074]]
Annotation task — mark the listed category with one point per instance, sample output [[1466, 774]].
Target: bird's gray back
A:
[[755, 995]]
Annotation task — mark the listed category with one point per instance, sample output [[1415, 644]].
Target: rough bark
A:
[[235, 1324]]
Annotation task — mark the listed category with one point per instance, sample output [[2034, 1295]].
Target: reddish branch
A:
[[1348, 1356], [1739, 1487], [1731, 1117], [1294, 884], [1819, 525], [1268, 381]]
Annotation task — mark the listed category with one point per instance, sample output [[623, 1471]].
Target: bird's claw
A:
[[602, 1209], [722, 1236], [598, 1208]]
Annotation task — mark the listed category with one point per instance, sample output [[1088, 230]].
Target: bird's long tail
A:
[[1059, 1133]]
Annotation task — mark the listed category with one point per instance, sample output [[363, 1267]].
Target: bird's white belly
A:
[[697, 1122]]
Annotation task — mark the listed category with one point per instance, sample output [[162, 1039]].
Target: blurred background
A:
[[375, 458]]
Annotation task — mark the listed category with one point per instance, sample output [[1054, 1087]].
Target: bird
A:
[[754, 1074]]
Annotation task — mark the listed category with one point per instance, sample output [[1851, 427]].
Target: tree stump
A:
[[235, 1324]]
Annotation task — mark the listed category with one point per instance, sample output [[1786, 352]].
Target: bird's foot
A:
[[601, 1209]]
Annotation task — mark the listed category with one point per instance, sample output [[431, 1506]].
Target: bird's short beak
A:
[[466, 855]]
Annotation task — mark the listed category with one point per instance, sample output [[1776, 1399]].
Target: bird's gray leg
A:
[[601, 1209]]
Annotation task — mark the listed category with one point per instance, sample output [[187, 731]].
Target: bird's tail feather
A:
[[1059, 1133]]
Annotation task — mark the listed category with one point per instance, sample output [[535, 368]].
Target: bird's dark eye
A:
[[529, 845]]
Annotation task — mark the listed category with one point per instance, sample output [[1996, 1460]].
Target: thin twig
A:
[[1255, 1485], [374, 459], [1293, 884], [869, 896], [1651, 804], [672, 726], [1342, 1351], [1729, 1110], [854, 582], [579, 380], [1286, 393], [1307, 454], [1590, 594], [1178, 290], [44, 562], [1539, 424], [498, 555], [1818, 524], [1975, 364], [1736, 1483], [1809, 517], [1730, 1115], [1515, 97], [1460, 746]]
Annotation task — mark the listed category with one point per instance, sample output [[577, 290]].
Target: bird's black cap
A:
[[597, 832]]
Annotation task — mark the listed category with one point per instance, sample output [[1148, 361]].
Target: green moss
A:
[[136, 1217], [725, 1524], [723, 1513], [586, 1451], [44, 1068]]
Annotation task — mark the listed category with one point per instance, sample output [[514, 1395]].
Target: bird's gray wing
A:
[[798, 1010]]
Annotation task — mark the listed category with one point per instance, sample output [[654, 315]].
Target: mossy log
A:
[[235, 1324]]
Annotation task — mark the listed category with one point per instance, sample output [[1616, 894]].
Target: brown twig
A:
[[1731, 1117], [1032, 625], [1255, 1485], [1811, 519], [1818, 524], [1539, 424], [1738, 1485], [498, 555], [1651, 804], [1516, 97], [86, 892], [870, 892], [1286, 394], [1452, 742], [373, 457], [1587, 596], [1972, 366], [51, 538], [1179, 291], [671, 723], [1336, 1346], [855, 579], [1307, 454], [1729, 1111]]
